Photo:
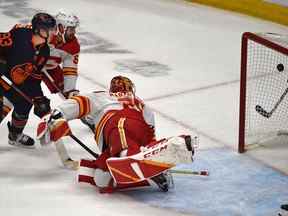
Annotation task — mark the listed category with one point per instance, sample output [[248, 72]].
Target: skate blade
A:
[[12, 143]]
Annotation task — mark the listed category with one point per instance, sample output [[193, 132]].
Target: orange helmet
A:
[[121, 84]]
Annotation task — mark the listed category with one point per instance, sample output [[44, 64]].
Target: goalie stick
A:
[[30, 101], [190, 172], [267, 114], [53, 82]]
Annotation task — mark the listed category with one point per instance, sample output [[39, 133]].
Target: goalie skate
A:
[[164, 181]]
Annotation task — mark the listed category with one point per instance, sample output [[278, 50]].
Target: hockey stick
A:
[[31, 102], [16, 89], [267, 114], [84, 146], [190, 172], [53, 82]]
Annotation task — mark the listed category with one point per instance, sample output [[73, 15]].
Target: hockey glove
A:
[[52, 127], [41, 106]]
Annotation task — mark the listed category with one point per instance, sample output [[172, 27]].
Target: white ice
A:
[[198, 95]]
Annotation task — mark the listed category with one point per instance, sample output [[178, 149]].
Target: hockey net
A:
[[263, 88]]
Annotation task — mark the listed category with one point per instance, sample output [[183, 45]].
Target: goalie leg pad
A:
[[86, 171], [89, 172], [65, 158], [151, 160]]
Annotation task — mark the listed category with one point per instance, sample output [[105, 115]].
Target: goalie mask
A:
[[121, 85], [67, 24]]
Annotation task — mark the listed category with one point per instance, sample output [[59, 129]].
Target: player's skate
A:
[[19, 139], [164, 181]]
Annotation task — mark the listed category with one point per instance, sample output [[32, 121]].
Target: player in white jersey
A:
[[62, 66], [124, 126], [61, 71]]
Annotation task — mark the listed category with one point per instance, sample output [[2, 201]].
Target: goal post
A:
[[263, 104]]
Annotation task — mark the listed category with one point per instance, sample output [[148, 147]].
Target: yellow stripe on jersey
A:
[[101, 124], [84, 105], [70, 71], [122, 133]]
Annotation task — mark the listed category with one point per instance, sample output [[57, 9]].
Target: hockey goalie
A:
[[124, 131]]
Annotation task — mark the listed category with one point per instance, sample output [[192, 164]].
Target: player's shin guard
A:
[[16, 136]]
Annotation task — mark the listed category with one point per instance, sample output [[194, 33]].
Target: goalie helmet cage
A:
[[263, 107]]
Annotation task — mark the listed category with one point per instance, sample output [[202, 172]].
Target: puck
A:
[[280, 67]]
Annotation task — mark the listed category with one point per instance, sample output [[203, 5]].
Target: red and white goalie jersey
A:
[[103, 107], [124, 131], [62, 64]]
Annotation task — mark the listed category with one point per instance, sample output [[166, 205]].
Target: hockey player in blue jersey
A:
[[24, 51]]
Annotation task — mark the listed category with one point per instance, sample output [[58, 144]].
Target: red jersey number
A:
[[5, 39], [76, 59]]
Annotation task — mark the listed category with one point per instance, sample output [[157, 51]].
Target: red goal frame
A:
[[243, 75]]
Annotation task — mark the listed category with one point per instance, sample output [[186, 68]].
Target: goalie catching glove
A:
[[52, 127]]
